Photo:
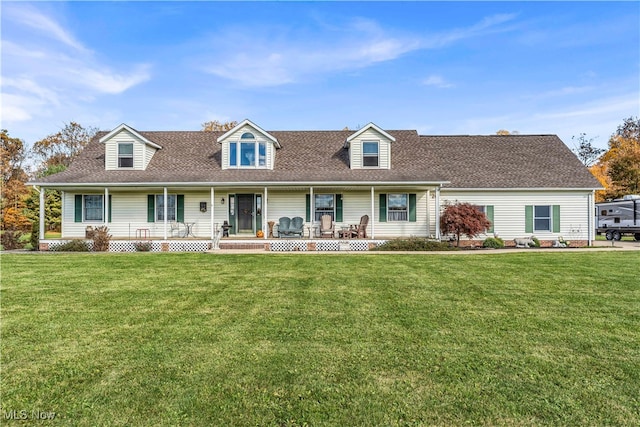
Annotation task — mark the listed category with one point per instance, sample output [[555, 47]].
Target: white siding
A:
[[509, 211], [384, 147], [141, 152], [129, 213]]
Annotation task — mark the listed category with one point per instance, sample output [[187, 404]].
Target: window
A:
[[171, 207], [93, 208], [249, 151], [324, 205], [125, 155], [370, 154], [397, 207], [542, 218]]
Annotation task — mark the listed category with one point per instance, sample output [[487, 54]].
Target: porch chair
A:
[[174, 227], [327, 227], [283, 226], [360, 230], [297, 226]]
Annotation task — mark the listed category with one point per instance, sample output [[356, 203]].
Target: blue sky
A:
[[437, 67]]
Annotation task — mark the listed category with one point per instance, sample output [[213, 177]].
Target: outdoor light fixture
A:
[[222, 201]]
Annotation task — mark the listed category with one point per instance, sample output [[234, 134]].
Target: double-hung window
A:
[[324, 205], [93, 208], [542, 218], [171, 207], [125, 155], [398, 207], [370, 154], [247, 152]]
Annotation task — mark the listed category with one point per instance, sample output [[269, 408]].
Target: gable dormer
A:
[[369, 148], [126, 149], [247, 146]]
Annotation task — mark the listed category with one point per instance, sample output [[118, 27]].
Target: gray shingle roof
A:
[[318, 156]]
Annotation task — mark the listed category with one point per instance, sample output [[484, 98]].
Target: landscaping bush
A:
[[11, 240], [142, 246], [414, 244], [35, 236], [493, 242], [72, 246], [101, 238], [536, 242]]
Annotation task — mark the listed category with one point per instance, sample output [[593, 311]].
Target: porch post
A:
[[106, 207], [166, 211], [428, 193], [265, 215], [373, 217], [312, 215], [212, 203], [42, 190], [591, 218], [438, 213]]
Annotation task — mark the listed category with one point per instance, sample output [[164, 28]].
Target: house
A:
[[141, 184]]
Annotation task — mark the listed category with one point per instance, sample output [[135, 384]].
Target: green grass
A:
[[284, 340]]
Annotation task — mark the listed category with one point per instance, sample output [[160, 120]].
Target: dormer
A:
[[369, 148], [247, 146], [126, 149]]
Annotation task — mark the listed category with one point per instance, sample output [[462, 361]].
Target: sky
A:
[[447, 68]]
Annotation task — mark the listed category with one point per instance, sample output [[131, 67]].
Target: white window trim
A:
[[550, 218], [84, 209], [366, 155], [126, 157], [256, 165], [406, 211], [315, 206], [156, 210]]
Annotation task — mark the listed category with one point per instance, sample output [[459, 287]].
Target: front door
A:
[[245, 213]]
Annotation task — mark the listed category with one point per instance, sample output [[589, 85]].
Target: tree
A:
[[463, 219], [621, 162], [216, 126], [585, 151], [12, 156], [506, 132], [62, 147]]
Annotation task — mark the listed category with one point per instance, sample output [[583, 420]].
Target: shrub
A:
[[101, 238], [536, 242], [72, 246], [142, 246], [463, 219], [11, 240], [414, 244], [35, 236], [493, 242]]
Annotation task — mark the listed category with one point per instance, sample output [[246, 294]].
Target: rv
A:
[[619, 217]]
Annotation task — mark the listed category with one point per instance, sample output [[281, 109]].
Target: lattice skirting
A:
[[156, 246], [322, 245]]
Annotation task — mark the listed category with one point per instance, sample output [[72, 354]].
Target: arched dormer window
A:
[[247, 152]]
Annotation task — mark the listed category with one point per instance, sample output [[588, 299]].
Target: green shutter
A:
[[528, 219], [232, 218], [180, 203], [308, 207], [151, 208], [412, 208], [78, 208], [258, 213], [489, 213], [109, 220], [383, 208], [338, 207], [556, 218]]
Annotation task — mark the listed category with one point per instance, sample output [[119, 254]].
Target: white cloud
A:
[[437, 81], [50, 69], [261, 58]]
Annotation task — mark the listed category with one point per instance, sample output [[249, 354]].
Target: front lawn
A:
[[340, 340]]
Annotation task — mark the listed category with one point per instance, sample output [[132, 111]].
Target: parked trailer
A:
[[619, 217]]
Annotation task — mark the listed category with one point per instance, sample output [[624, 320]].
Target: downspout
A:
[[438, 212], [106, 207]]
